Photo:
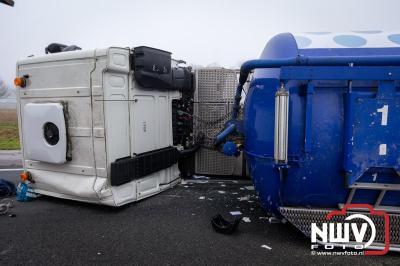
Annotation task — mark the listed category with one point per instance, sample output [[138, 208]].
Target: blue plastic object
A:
[[25, 193], [230, 149], [229, 129], [344, 110]]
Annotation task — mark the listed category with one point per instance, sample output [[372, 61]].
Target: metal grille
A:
[[209, 120], [215, 85], [215, 89], [302, 219], [209, 162]]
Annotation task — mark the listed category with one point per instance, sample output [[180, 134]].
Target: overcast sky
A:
[[200, 32]]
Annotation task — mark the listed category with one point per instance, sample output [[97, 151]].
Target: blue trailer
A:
[[320, 127]]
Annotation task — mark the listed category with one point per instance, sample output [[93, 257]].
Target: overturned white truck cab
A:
[[96, 125]]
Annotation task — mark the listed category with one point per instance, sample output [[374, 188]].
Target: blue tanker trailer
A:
[[321, 127]]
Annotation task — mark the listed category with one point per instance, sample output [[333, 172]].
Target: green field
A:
[[9, 139]]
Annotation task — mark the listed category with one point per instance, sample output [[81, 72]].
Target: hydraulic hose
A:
[[189, 152], [222, 135]]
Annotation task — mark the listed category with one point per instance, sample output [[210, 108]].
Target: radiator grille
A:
[[215, 90], [215, 85]]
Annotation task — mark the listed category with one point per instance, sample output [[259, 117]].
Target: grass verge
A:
[[9, 138]]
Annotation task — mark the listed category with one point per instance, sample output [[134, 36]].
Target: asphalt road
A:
[[172, 228], [10, 159]]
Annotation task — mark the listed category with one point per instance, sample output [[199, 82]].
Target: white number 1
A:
[[385, 111]]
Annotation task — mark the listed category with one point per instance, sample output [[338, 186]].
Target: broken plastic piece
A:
[[244, 198], [200, 177], [266, 247], [223, 226], [274, 220], [246, 219], [5, 205]]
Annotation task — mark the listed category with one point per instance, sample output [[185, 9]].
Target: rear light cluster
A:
[[21, 81], [26, 176]]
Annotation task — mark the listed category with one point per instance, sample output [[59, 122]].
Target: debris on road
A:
[[5, 205], [172, 196], [266, 247], [25, 192], [247, 197], [223, 226], [235, 213], [200, 177], [274, 220], [246, 219]]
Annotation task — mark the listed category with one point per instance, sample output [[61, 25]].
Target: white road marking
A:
[[11, 169]]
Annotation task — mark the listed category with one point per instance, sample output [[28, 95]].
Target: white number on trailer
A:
[[385, 112], [384, 120]]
